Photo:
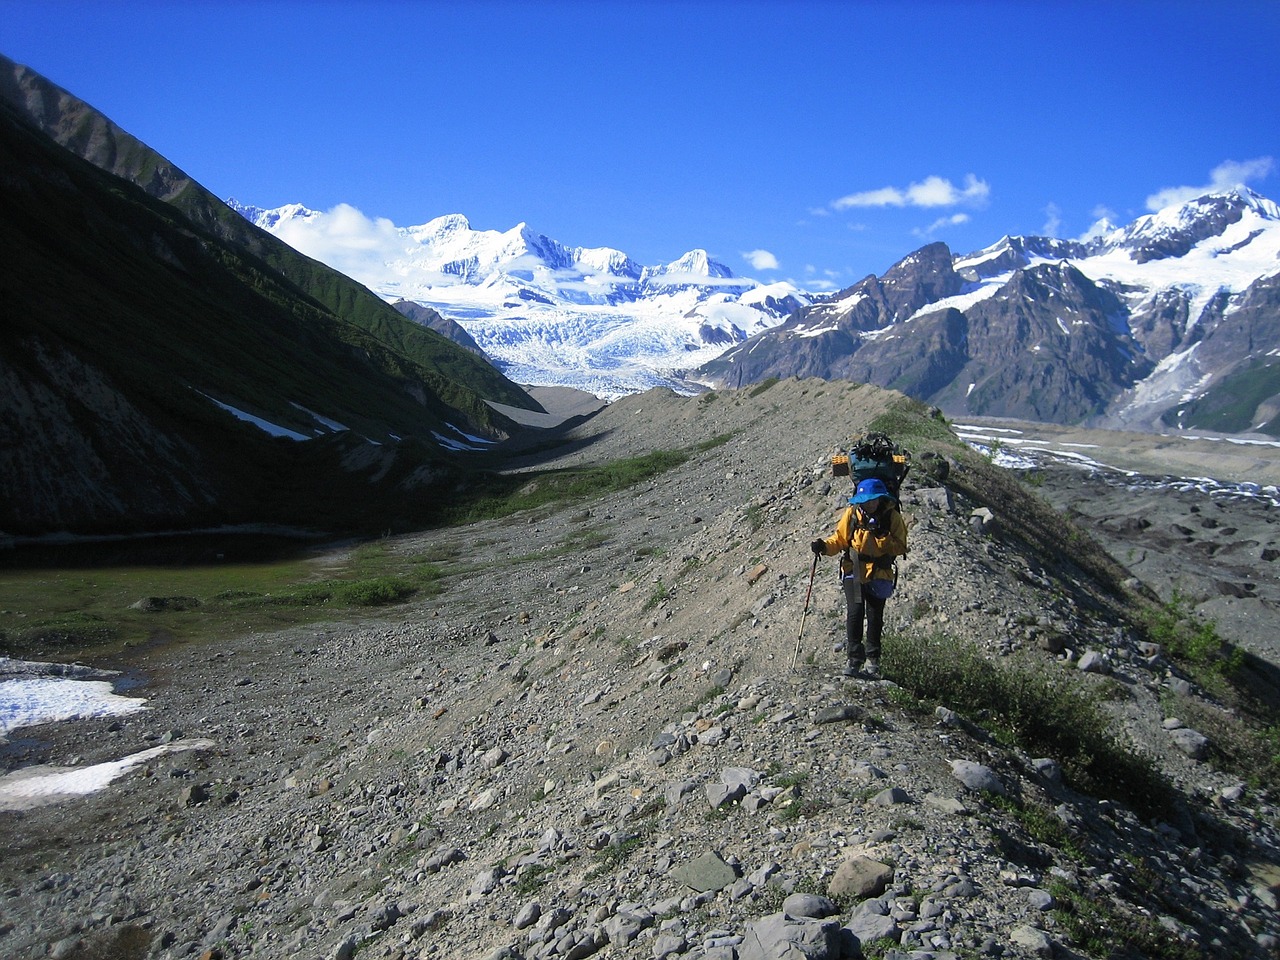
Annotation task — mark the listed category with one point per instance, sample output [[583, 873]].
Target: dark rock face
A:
[[924, 277], [1011, 253], [1240, 350], [445, 326], [1051, 344], [1163, 326], [822, 339], [1211, 217]]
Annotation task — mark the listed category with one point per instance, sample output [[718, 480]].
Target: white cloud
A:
[[1224, 176], [761, 260], [955, 220], [1053, 221], [932, 191], [346, 240]]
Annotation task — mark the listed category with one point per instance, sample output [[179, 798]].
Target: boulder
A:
[[977, 777], [860, 877], [781, 937], [810, 905], [705, 874]]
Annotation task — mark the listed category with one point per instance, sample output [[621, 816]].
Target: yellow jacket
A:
[[884, 544]]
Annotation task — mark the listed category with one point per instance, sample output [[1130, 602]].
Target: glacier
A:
[[547, 314]]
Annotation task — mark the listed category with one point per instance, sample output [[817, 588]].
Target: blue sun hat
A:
[[870, 489]]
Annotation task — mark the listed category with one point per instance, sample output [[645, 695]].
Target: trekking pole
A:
[[808, 593]]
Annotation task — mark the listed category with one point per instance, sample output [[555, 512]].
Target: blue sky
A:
[[810, 141]]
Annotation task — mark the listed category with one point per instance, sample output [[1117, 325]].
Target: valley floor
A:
[[594, 742]]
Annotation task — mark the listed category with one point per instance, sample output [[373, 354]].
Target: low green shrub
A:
[[1026, 705], [57, 633], [762, 386], [494, 496], [1189, 639], [1099, 929]]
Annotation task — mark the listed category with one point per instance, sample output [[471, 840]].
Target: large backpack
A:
[[873, 455]]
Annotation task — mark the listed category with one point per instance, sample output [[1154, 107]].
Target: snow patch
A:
[[28, 702], [265, 425], [42, 785]]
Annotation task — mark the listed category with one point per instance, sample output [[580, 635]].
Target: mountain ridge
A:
[[1170, 280], [158, 348], [1179, 307]]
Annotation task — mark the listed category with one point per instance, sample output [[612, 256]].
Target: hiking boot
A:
[[872, 671], [853, 669]]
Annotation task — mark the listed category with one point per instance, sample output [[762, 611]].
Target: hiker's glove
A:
[[819, 547]]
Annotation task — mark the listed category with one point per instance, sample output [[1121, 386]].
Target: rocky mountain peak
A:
[[695, 263], [1174, 231], [923, 277]]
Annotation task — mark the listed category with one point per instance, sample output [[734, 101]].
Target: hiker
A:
[[872, 527]]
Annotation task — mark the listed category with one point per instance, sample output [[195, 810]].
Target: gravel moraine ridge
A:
[[593, 744]]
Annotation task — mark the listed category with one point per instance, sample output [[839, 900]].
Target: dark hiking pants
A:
[[861, 607]]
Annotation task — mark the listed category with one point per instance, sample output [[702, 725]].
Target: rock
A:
[[718, 794], [871, 922], [982, 521], [743, 777], [936, 498], [1191, 742], [1048, 768], [808, 905], [610, 781], [494, 758], [528, 915], [626, 925], [443, 857], [890, 797], [483, 800], [977, 777], [1033, 940], [840, 713], [668, 945], [948, 805], [1040, 899], [866, 772], [860, 877], [158, 604], [383, 916], [676, 792], [780, 937], [485, 882], [193, 795], [707, 873], [1092, 662]]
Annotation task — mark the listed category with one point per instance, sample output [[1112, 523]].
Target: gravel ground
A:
[[595, 743]]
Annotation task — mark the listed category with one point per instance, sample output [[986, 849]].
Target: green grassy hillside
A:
[[123, 318]]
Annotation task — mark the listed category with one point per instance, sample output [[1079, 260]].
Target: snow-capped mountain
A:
[[1171, 320], [547, 313]]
